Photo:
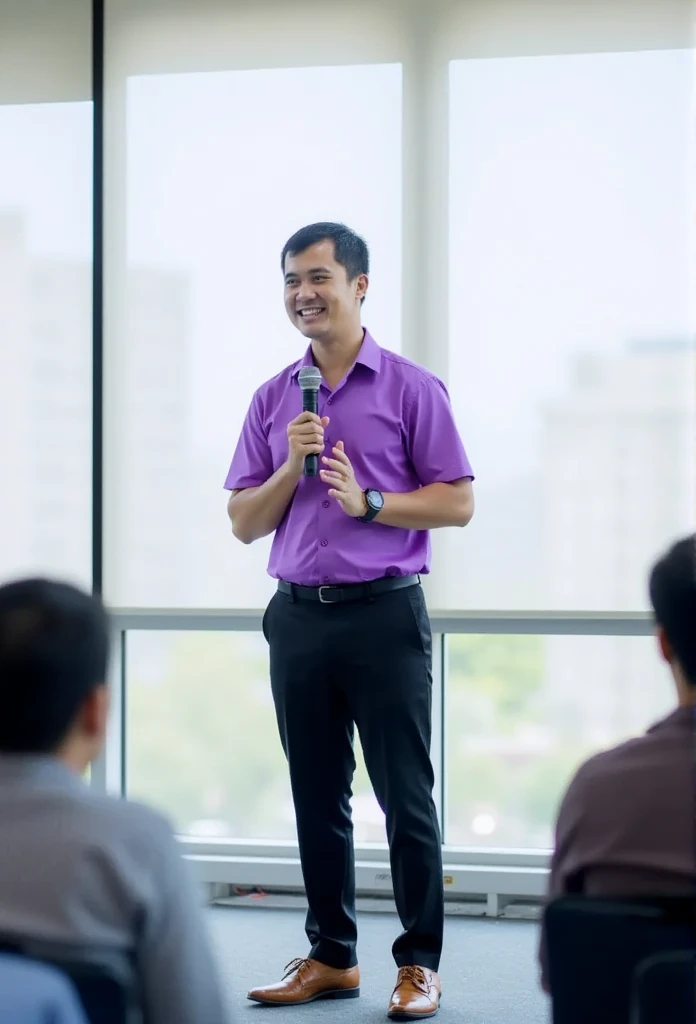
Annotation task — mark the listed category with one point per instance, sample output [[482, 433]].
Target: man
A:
[[627, 824], [77, 867], [348, 629]]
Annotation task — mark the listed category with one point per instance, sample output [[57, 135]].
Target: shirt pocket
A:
[[380, 446]]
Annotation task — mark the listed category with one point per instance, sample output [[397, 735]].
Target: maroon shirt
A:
[[627, 823]]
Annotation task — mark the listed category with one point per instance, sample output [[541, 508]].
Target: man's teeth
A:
[[310, 312]]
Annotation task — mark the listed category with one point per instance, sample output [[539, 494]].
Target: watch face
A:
[[375, 499]]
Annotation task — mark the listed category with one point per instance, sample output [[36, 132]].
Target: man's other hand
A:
[[343, 486]]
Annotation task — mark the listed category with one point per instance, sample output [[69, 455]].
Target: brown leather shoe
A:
[[416, 996], [307, 980]]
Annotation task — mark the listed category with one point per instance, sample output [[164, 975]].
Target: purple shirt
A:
[[396, 423]]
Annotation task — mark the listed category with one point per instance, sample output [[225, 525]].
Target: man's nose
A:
[[306, 291]]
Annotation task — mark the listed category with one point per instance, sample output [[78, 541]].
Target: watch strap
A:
[[371, 512]]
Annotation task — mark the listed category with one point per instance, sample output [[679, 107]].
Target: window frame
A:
[[428, 35]]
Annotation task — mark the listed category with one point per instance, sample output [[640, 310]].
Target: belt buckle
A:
[[322, 599]]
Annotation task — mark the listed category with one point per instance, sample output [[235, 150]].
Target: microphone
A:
[[310, 382]]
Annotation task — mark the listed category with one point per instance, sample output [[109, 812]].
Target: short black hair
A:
[[54, 650], [350, 250], [673, 597]]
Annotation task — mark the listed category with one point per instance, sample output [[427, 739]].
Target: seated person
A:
[[77, 866], [34, 993], [627, 823]]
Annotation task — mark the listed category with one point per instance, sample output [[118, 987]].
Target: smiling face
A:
[[319, 298]]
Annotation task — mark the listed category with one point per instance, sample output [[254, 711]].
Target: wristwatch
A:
[[375, 503]]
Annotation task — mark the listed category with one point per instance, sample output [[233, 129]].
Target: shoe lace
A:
[[416, 976], [297, 966]]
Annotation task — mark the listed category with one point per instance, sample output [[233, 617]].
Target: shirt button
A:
[[326, 579], [326, 504], [330, 400], [325, 543]]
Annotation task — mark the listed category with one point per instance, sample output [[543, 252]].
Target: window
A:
[[45, 291], [539, 205], [523, 712], [222, 168], [202, 740], [571, 323]]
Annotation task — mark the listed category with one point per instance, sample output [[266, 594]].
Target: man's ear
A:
[[362, 284], [95, 711], [664, 645]]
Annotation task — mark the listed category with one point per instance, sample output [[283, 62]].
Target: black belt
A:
[[348, 592]]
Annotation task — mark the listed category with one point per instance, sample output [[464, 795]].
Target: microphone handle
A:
[[310, 403]]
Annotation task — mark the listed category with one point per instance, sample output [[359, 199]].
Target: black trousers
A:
[[367, 663]]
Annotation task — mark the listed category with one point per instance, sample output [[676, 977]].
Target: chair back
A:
[[595, 944], [664, 989], [104, 979], [31, 992]]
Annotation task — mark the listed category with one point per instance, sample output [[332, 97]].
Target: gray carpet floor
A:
[[488, 970]]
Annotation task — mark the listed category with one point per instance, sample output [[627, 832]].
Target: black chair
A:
[[664, 989], [104, 979], [594, 946]]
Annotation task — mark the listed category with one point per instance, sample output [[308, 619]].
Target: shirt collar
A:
[[370, 355], [19, 769]]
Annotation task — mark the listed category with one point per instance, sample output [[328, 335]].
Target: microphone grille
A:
[[310, 378]]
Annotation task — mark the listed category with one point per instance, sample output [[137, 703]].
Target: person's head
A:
[[673, 598], [54, 650], [325, 267]]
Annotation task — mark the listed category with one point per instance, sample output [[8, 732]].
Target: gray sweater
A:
[[78, 866]]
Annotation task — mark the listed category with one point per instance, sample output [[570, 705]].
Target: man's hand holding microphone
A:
[[257, 511], [306, 445], [305, 440]]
